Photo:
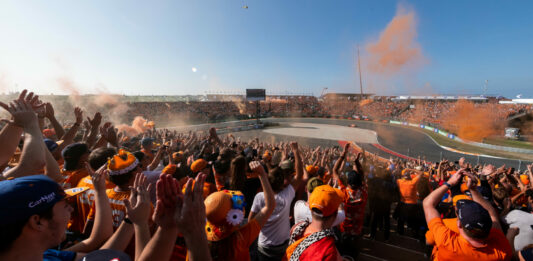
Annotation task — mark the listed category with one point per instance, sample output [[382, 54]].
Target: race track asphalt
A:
[[395, 140]]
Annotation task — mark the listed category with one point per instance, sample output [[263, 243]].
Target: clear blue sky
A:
[[150, 47]]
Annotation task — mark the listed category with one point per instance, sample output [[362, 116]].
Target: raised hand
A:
[[168, 193], [294, 145], [22, 112], [257, 168], [95, 121], [138, 205], [454, 180], [48, 110], [99, 177], [79, 115], [190, 214]]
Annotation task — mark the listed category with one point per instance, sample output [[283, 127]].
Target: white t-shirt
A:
[[277, 229], [523, 221], [302, 212]]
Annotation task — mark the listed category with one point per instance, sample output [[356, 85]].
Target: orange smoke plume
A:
[[396, 47], [473, 122], [138, 126], [365, 102]]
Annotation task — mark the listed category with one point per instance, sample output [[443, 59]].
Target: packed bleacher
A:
[[83, 190]]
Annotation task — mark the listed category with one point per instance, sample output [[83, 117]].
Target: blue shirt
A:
[[56, 255]]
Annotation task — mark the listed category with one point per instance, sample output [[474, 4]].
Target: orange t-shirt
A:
[[243, 239], [118, 209], [84, 201], [450, 245], [450, 223], [72, 177], [148, 154], [408, 190]]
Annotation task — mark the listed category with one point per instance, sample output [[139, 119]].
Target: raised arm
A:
[[476, 196], [176, 212], [68, 138], [339, 161], [431, 201], [32, 158], [270, 202], [298, 166], [103, 223], [139, 203], [49, 113]]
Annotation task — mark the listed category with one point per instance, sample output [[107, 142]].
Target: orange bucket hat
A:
[[225, 212], [122, 163]]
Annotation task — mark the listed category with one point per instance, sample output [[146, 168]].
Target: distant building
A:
[[345, 96]]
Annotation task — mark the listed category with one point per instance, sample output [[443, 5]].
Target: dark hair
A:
[[223, 249], [99, 157], [123, 179], [276, 177], [221, 166], [10, 232], [238, 173], [139, 155], [422, 187]]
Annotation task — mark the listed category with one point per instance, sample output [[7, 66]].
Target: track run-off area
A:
[[382, 139]]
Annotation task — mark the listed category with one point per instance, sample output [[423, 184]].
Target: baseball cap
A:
[[314, 182], [106, 255], [50, 144], [198, 165], [147, 141], [286, 165], [20, 198], [474, 218], [325, 199], [460, 197]]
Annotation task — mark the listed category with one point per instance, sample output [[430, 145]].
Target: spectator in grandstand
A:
[[274, 236], [315, 239], [380, 197], [224, 211], [480, 235], [409, 209]]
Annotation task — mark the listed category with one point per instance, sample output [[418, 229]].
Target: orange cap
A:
[[311, 169], [326, 199], [198, 165], [525, 179], [177, 156], [170, 169], [460, 197], [267, 155]]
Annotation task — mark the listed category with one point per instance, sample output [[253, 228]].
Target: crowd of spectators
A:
[[164, 195]]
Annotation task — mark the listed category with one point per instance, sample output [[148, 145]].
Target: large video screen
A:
[[255, 94]]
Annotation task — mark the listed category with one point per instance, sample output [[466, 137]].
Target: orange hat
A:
[[326, 199], [177, 156], [525, 179], [170, 169], [224, 212], [464, 187], [122, 163], [47, 133], [198, 165], [460, 197], [267, 155], [311, 169], [207, 190]]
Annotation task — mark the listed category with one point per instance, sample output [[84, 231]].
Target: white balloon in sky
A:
[[194, 69]]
